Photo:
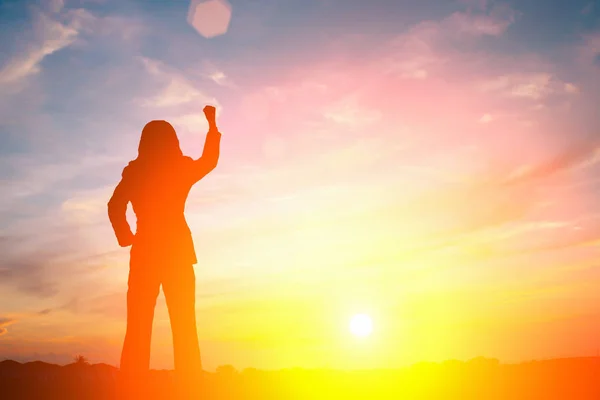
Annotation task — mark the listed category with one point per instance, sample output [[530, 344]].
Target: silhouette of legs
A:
[[144, 285], [179, 286]]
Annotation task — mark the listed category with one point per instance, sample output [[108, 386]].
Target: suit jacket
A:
[[158, 190]]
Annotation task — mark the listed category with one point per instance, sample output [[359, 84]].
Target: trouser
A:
[[179, 284]]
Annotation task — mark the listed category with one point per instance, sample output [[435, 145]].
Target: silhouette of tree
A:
[[81, 360], [226, 370]]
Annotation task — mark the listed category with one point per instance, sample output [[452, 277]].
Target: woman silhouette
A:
[[157, 184]]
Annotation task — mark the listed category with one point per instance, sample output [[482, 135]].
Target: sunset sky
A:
[[433, 164]]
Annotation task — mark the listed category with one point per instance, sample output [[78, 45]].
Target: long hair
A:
[[158, 143]]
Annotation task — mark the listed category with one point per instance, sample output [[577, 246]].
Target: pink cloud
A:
[[535, 86], [435, 116]]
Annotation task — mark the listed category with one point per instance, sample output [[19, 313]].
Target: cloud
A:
[[479, 21], [177, 91], [571, 88], [195, 122], [220, 78], [588, 51], [87, 208], [213, 72], [4, 322], [533, 86], [56, 5], [51, 36], [486, 118], [109, 304], [49, 226], [43, 262], [582, 153], [98, 26], [589, 158], [494, 23], [29, 275], [414, 53], [428, 45], [349, 113], [35, 177]]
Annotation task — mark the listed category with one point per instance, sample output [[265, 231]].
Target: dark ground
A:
[[481, 379]]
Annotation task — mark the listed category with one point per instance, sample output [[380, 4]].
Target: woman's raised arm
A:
[[210, 155]]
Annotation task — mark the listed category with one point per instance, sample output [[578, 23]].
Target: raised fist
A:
[[210, 113]]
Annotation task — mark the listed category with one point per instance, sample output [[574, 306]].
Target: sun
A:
[[361, 325]]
